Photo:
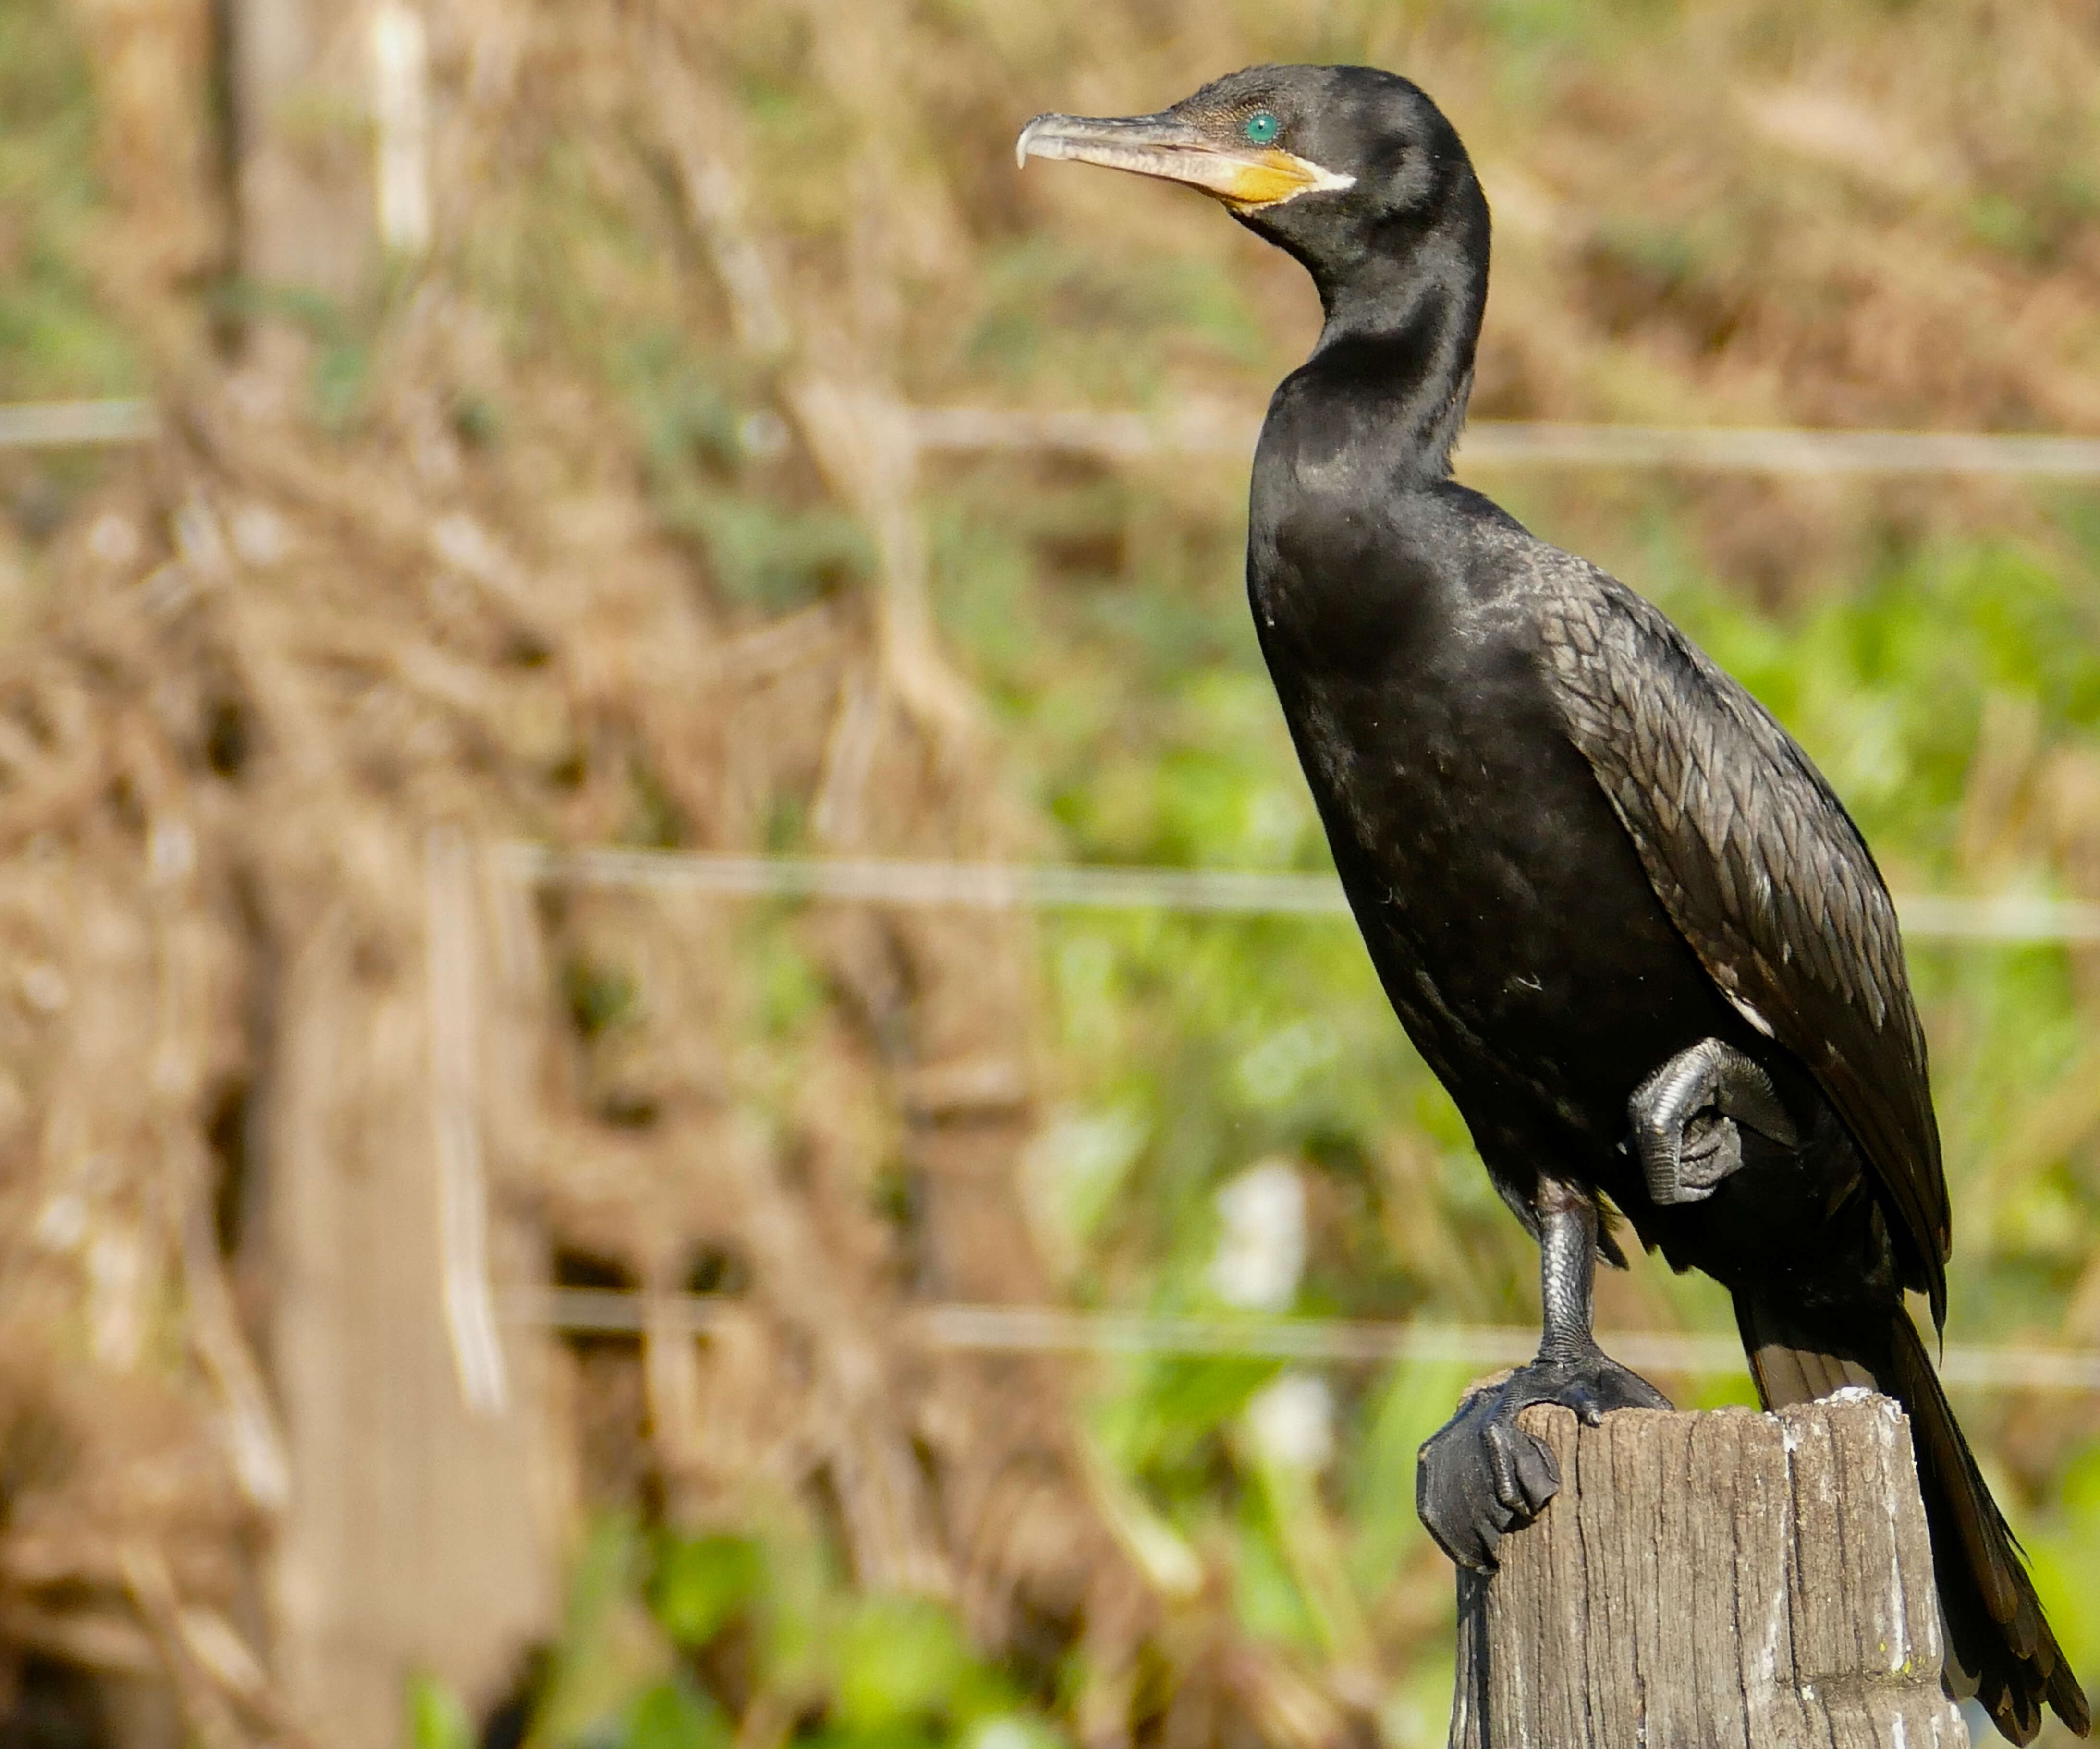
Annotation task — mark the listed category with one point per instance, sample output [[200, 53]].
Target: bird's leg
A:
[[1481, 1474], [1685, 1118]]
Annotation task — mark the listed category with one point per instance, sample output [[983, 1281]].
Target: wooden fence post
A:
[[1755, 1580]]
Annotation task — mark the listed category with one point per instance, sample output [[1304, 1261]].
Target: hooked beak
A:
[[1245, 178]]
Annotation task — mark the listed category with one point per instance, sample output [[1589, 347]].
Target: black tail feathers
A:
[[1999, 1645]]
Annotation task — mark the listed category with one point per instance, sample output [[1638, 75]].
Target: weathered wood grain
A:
[[1751, 1581]]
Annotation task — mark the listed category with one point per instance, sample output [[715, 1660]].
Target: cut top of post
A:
[[1728, 1578]]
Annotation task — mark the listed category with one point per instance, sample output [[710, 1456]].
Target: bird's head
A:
[[1353, 170]]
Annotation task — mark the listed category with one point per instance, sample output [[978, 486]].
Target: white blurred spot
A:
[[216, 1644], [1275, 821], [464, 543], [1003, 1731], [258, 535], [171, 850], [112, 539], [1751, 1015], [62, 1223], [115, 1310], [1277, 1067], [1261, 1249], [44, 988], [763, 434], [400, 109], [1292, 1422], [1070, 1173], [198, 538]]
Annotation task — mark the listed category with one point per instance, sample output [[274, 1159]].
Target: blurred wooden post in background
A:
[[414, 1541], [1763, 1580], [302, 173]]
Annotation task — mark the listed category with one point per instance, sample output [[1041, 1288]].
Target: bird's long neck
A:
[[1397, 348]]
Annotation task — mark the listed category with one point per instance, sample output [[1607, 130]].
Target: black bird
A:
[[1619, 911]]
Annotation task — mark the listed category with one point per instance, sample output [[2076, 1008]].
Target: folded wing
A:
[[1764, 873]]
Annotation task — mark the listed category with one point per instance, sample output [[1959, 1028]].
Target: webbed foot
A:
[[1685, 1118], [1482, 1475]]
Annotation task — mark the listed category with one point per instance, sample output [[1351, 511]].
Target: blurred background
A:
[[561, 562]]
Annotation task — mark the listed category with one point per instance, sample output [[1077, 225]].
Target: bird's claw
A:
[[1482, 1475], [1686, 1120]]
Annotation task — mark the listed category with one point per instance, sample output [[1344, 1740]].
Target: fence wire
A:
[[1059, 1330], [1224, 431], [1213, 430], [1045, 1329], [2011, 919], [1216, 429], [58, 425]]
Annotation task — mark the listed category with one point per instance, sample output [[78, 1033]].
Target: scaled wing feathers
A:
[[1760, 868]]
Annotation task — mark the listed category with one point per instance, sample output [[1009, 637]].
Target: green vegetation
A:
[[55, 339], [668, 1638]]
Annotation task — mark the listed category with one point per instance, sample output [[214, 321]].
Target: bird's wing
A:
[[1761, 870]]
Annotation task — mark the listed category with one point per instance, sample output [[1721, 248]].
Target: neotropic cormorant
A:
[[1618, 910]]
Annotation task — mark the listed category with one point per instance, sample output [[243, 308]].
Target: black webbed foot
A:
[[1482, 1475], [1685, 1118]]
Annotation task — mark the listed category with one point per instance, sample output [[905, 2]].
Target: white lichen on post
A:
[[1729, 1579]]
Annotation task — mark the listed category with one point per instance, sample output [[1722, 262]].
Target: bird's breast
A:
[[1498, 891]]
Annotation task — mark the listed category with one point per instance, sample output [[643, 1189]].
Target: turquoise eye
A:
[[1262, 127]]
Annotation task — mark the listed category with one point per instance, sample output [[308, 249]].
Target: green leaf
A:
[[896, 1658], [675, 1715], [701, 1584], [437, 1717]]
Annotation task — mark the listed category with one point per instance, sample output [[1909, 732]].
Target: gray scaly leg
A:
[[1482, 1474]]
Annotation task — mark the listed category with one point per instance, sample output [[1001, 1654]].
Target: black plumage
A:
[[1764, 875], [1617, 908]]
